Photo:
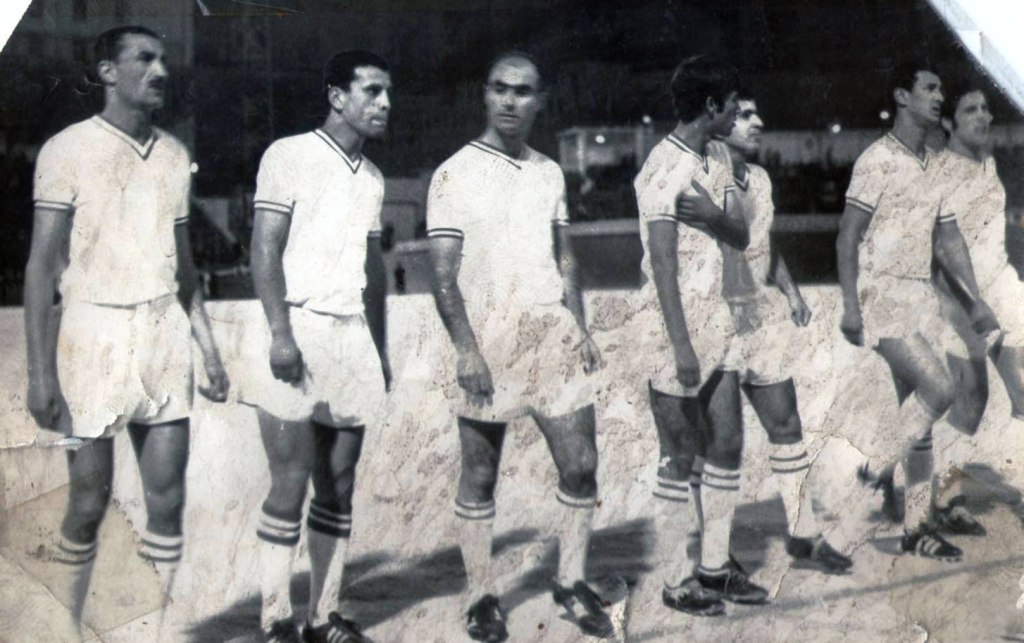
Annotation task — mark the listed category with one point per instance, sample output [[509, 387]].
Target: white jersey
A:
[[124, 199], [976, 196], [505, 210], [748, 281], [334, 202], [668, 171], [902, 193]]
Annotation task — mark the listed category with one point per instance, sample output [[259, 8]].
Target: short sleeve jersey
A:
[[902, 194], [748, 282], [505, 210], [668, 171], [124, 199], [755, 196], [334, 203], [976, 196]]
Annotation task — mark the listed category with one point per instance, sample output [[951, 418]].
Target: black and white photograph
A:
[[478, 320]]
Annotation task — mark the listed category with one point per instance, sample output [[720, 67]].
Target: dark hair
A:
[[340, 70], [960, 88], [533, 59], [110, 43], [904, 75], [744, 93], [698, 78]]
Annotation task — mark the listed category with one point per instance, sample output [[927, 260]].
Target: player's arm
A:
[[269, 237], [663, 244], [49, 231], [573, 298], [375, 299], [852, 228], [474, 376], [954, 259], [700, 210], [800, 313], [191, 297]]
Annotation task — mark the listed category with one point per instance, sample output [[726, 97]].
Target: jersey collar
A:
[[922, 162], [142, 149], [490, 149], [353, 164], [678, 142]]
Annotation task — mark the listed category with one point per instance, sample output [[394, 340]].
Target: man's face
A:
[[366, 103], [723, 119], [746, 132], [139, 75], [971, 121], [513, 97], [924, 101]]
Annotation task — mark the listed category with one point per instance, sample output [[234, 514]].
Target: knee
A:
[[965, 414], [726, 451], [166, 505], [478, 480], [788, 432], [87, 506], [938, 393], [578, 477]]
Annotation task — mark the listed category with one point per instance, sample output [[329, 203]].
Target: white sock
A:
[[476, 534], [574, 537], [791, 464], [673, 521], [951, 450], [164, 553], [77, 559], [696, 508], [720, 489], [278, 537], [916, 420], [327, 539]]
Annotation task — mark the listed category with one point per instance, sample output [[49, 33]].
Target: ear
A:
[[542, 99], [337, 97], [710, 106], [106, 72], [900, 96], [947, 124]]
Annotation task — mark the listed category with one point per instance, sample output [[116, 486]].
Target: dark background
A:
[[243, 75]]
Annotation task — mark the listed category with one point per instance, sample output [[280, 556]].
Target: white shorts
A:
[[765, 356], [342, 384], [898, 308], [711, 328], [124, 364], [1005, 295], [534, 366]]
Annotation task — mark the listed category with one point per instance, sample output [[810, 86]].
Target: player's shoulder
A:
[[171, 143], [542, 160], [666, 157], [296, 144], [372, 171], [454, 168], [759, 176], [662, 152], [547, 167], [72, 136], [880, 149]]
